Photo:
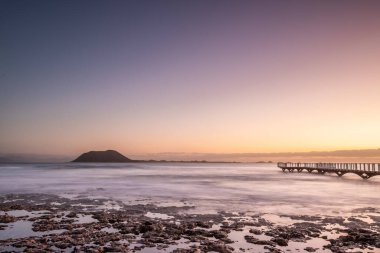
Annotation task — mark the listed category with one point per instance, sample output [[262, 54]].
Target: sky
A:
[[146, 77]]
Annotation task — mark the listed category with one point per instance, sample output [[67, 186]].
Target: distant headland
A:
[[112, 156], [108, 156]]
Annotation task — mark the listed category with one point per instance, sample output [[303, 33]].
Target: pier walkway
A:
[[364, 170]]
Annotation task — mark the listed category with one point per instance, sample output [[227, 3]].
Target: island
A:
[[112, 156], [108, 156]]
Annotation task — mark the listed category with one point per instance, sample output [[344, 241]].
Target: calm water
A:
[[210, 187]]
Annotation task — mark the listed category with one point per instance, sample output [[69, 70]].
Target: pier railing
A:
[[364, 170], [331, 166]]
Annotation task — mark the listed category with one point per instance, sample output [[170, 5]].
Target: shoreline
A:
[[49, 223]]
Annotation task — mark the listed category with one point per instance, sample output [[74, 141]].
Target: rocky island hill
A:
[[108, 156], [112, 156]]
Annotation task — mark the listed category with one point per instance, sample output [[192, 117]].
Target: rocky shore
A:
[[49, 223]]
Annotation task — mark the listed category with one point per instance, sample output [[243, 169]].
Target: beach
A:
[[184, 207]]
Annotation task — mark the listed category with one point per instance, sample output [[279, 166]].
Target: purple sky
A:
[[189, 76]]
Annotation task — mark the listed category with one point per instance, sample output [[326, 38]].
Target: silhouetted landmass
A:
[[112, 156], [264, 162], [108, 156]]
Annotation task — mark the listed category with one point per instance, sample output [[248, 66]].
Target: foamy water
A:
[[209, 187]]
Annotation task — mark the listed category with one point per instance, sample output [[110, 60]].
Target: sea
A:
[[208, 187]]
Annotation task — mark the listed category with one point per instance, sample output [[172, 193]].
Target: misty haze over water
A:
[[208, 187]]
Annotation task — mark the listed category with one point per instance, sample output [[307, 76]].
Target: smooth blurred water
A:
[[210, 187]]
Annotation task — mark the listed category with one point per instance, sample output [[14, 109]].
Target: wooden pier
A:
[[364, 170]]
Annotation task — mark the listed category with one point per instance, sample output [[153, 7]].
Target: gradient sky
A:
[[189, 76]]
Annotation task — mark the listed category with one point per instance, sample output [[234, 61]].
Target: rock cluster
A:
[[355, 238], [128, 228]]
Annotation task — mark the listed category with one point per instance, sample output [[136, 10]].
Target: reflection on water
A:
[[21, 229], [232, 187]]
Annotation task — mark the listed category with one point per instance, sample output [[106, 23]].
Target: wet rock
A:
[[273, 249], [186, 251], [237, 226], [218, 234], [303, 217], [62, 245], [332, 220], [260, 222], [203, 224], [280, 241], [72, 215], [47, 225], [255, 231], [150, 226], [355, 238], [257, 241], [7, 218], [310, 249]]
